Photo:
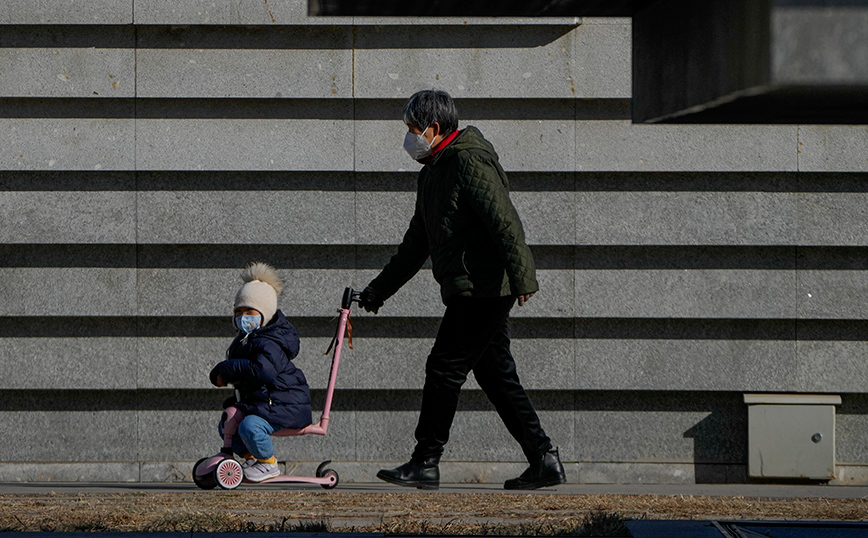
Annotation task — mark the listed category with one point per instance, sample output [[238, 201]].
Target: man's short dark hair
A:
[[428, 106]]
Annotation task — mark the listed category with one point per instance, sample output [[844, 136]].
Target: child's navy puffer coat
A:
[[262, 371]]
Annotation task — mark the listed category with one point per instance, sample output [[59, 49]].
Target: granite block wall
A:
[[149, 149]]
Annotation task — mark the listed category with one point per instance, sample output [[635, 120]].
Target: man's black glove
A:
[[370, 301]]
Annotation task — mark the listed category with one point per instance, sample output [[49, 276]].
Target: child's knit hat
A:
[[260, 291]]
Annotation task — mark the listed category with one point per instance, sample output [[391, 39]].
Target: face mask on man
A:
[[247, 323], [416, 146]]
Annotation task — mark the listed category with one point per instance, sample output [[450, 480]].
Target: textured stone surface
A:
[[243, 144], [665, 364], [64, 217], [177, 362], [620, 145], [660, 428], [829, 148], [850, 474], [831, 366], [76, 291], [67, 72], [601, 56], [70, 363], [244, 217], [658, 473], [70, 472], [228, 12], [103, 435], [839, 218], [66, 12], [530, 60], [67, 144], [685, 294], [383, 217], [688, 218], [833, 294], [247, 73], [850, 424]]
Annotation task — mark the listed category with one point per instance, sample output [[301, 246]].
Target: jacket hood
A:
[[281, 332], [470, 138]]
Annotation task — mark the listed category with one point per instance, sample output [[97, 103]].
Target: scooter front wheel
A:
[[205, 481], [228, 474], [333, 477]]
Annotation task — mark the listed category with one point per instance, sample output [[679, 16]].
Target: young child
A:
[[271, 392]]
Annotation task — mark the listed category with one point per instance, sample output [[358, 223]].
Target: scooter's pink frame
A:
[[233, 417]]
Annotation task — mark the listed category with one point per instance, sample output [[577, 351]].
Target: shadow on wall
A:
[[720, 447], [284, 37]]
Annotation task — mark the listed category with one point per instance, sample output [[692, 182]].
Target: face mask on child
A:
[[247, 324]]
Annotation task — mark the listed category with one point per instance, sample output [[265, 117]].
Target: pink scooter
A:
[[223, 470]]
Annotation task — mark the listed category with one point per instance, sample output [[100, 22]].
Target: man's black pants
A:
[[474, 335]]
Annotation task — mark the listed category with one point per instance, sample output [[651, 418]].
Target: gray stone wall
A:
[[151, 148]]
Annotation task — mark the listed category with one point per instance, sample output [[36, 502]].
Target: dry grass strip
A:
[[391, 513]]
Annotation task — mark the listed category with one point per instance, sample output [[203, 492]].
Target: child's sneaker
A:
[[260, 471], [248, 462]]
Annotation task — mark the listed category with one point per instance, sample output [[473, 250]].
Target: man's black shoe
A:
[[425, 475], [548, 471]]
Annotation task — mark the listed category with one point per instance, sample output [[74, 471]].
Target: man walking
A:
[[465, 221]]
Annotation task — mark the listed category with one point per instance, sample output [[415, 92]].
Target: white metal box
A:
[[791, 435]]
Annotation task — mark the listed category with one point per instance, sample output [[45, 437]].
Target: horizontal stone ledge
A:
[[391, 181], [371, 327], [377, 400], [358, 256], [451, 472], [310, 108], [326, 36], [83, 472], [383, 400]]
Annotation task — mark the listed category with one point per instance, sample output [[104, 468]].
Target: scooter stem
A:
[[333, 375]]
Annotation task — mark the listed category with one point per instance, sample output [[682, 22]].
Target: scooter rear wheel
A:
[[228, 474], [205, 481], [329, 473]]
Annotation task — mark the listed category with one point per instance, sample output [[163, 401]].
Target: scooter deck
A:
[[289, 479]]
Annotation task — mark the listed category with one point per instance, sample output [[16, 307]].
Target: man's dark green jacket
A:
[[466, 222]]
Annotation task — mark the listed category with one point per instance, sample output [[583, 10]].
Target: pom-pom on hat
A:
[[261, 287]]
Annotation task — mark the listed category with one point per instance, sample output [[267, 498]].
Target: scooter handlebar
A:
[[350, 297]]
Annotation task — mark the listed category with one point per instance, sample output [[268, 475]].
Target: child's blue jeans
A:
[[253, 436]]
